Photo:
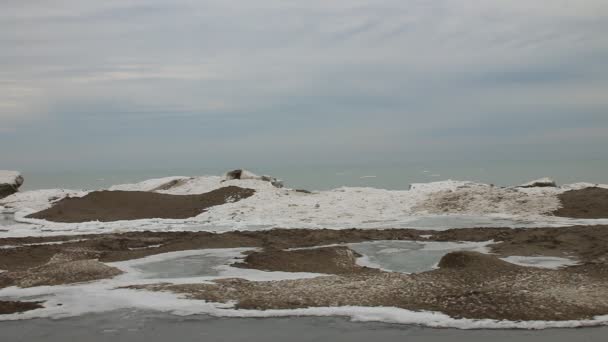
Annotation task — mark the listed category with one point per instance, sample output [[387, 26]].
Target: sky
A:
[[142, 83]]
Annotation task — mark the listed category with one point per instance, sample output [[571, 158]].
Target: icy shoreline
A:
[[346, 207]]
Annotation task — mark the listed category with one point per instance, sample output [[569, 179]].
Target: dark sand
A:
[[108, 206], [330, 260], [7, 307], [589, 203]]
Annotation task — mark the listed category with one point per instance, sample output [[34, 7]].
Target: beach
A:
[[532, 256]]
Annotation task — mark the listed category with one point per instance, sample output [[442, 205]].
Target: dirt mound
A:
[[588, 203], [331, 260], [7, 307], [58, 273], [108, 206], [474, 260]]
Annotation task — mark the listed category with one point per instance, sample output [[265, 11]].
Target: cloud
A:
[[341, 79]]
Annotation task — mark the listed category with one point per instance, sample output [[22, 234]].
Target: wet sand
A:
[[108, 206]]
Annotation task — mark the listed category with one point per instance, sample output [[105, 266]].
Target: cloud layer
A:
[[231, 81]]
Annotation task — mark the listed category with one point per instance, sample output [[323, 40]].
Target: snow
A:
[[41, 244], [434, 205], [10, 177], [36, 200], [545, 181], [540, 261], [106, 295], [147, 185]]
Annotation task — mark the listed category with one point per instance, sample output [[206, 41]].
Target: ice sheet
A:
[[541, 261]]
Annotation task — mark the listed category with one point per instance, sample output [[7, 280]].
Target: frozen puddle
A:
[[420, 256], [201, 265], [196, 265], [410, 256], [7, 218]]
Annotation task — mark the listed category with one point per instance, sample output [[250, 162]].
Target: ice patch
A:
[[28, 202], [410, 256], [41, 243], [540, 261], [197, 265]]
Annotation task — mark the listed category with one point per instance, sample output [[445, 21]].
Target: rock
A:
[[244, 174], [540, 183], [10, 181]]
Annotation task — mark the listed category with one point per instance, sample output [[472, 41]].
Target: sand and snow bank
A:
[[338, 208], [462, 287], [10, 181]]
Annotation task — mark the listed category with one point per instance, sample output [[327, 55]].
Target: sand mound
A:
[[474, 260], [58, 273], [588, 203], [481, 199], [108, 206], [331, 260]]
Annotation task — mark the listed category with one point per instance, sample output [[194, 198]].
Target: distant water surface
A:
[[396, 176]]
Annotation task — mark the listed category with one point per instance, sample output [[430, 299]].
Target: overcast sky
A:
[[147, 82]]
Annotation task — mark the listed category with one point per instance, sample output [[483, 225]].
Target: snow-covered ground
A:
[[435, 205], [10, 177]]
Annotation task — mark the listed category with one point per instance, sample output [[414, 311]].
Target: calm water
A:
[[327, 177], [158, 327]]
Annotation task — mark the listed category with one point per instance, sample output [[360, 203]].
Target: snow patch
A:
[[13, 178], [540, 261]]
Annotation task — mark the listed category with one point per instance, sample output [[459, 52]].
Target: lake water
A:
[[131, 325], [390, 176]]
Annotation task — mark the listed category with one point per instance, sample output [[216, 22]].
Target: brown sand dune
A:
[[108, 206], [588, 203]]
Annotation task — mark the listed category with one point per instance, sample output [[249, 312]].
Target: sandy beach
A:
[[520, 277]]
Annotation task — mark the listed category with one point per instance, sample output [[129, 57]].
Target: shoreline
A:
[[484, 275]]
